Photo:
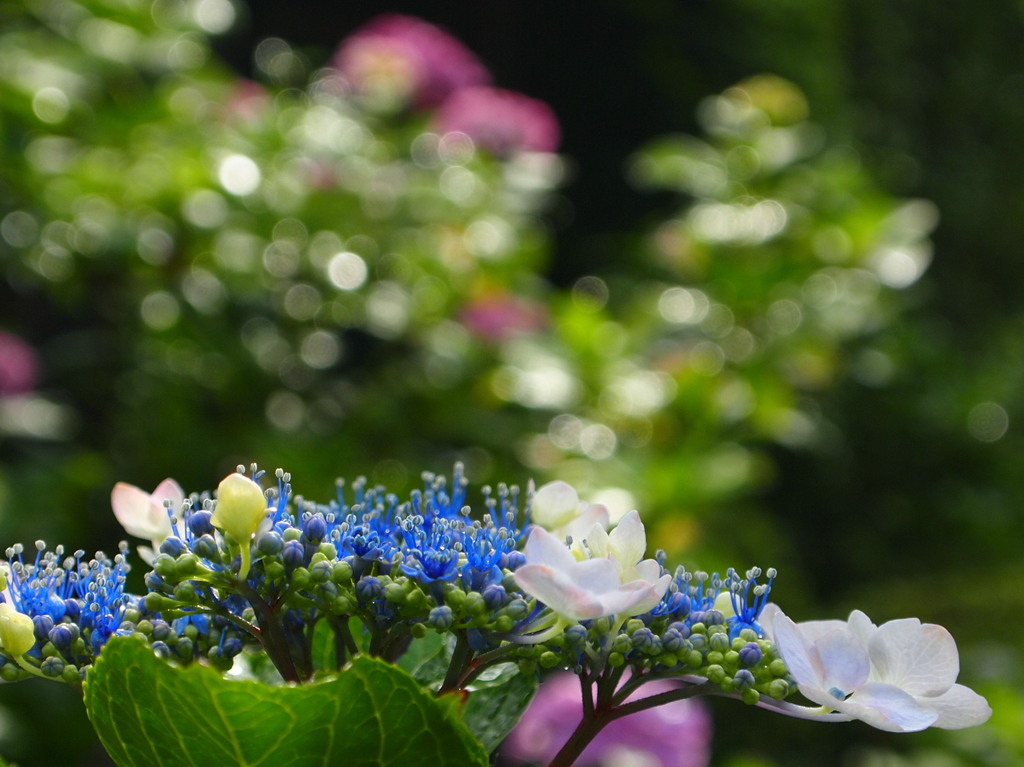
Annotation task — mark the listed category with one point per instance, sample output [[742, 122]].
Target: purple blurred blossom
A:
[[410, 56], [19, 365], [674, 735], [497, 316], [503, 122]]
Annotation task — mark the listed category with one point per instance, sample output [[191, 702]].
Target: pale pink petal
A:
[[921, 659], [888, 708], [558, 592], [958, 707], [543, 548], [131, 507], [169, 490]]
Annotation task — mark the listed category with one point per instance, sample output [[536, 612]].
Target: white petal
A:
[[802, 662], [921, 659], [554, 505], [887, 708], [861, 626], [594, 575], [596, 540], [815, 630], [628, 541], [844, 661], [767, 619], [652, 594], [592, 514], [648, 570], [959, 707]]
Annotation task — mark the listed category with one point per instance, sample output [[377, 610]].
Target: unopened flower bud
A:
[[17, 631], [241, 507]]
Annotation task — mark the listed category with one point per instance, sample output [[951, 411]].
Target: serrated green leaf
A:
[[151, 714]]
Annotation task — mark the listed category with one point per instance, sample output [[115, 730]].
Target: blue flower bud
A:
[[72, 609], [440, 618], [52, 666], [644, 640], [184, 648], [516, 559], [518, 609], [314, 528], [750, 654], [672, 640], [682, 628], [154, 582], [161, 629], [292, 554], [743, 680], [41, 626], [321, 572], [719, 642], [270, 543], [576, 634], [61, 636], [206, 547], [699, 642], [369, 589], [231, 647], [161, 649], [199, 523], [173, 547], [494, 596]]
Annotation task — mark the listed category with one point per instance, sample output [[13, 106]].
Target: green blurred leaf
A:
[[149, 714]]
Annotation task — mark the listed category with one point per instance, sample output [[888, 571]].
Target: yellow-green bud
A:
[[17, 632], [241, 506]]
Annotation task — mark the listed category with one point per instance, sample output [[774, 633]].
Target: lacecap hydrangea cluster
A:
[[255, 570]]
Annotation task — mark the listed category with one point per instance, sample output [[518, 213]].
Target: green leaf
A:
[[151, 714], [497, 701]]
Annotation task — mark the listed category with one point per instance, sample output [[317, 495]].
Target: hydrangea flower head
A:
[[19, 366], [406, 59], [674, 735], [900, 676], [503, 122]]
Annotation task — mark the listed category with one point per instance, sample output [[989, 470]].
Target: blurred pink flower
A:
[[674, 735], [408, 57], [497, 316], [19, 365], [501, 121]]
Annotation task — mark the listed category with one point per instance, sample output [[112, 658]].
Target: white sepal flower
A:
[[144, 515], [557, 508], [594, 587], [899, 677]]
